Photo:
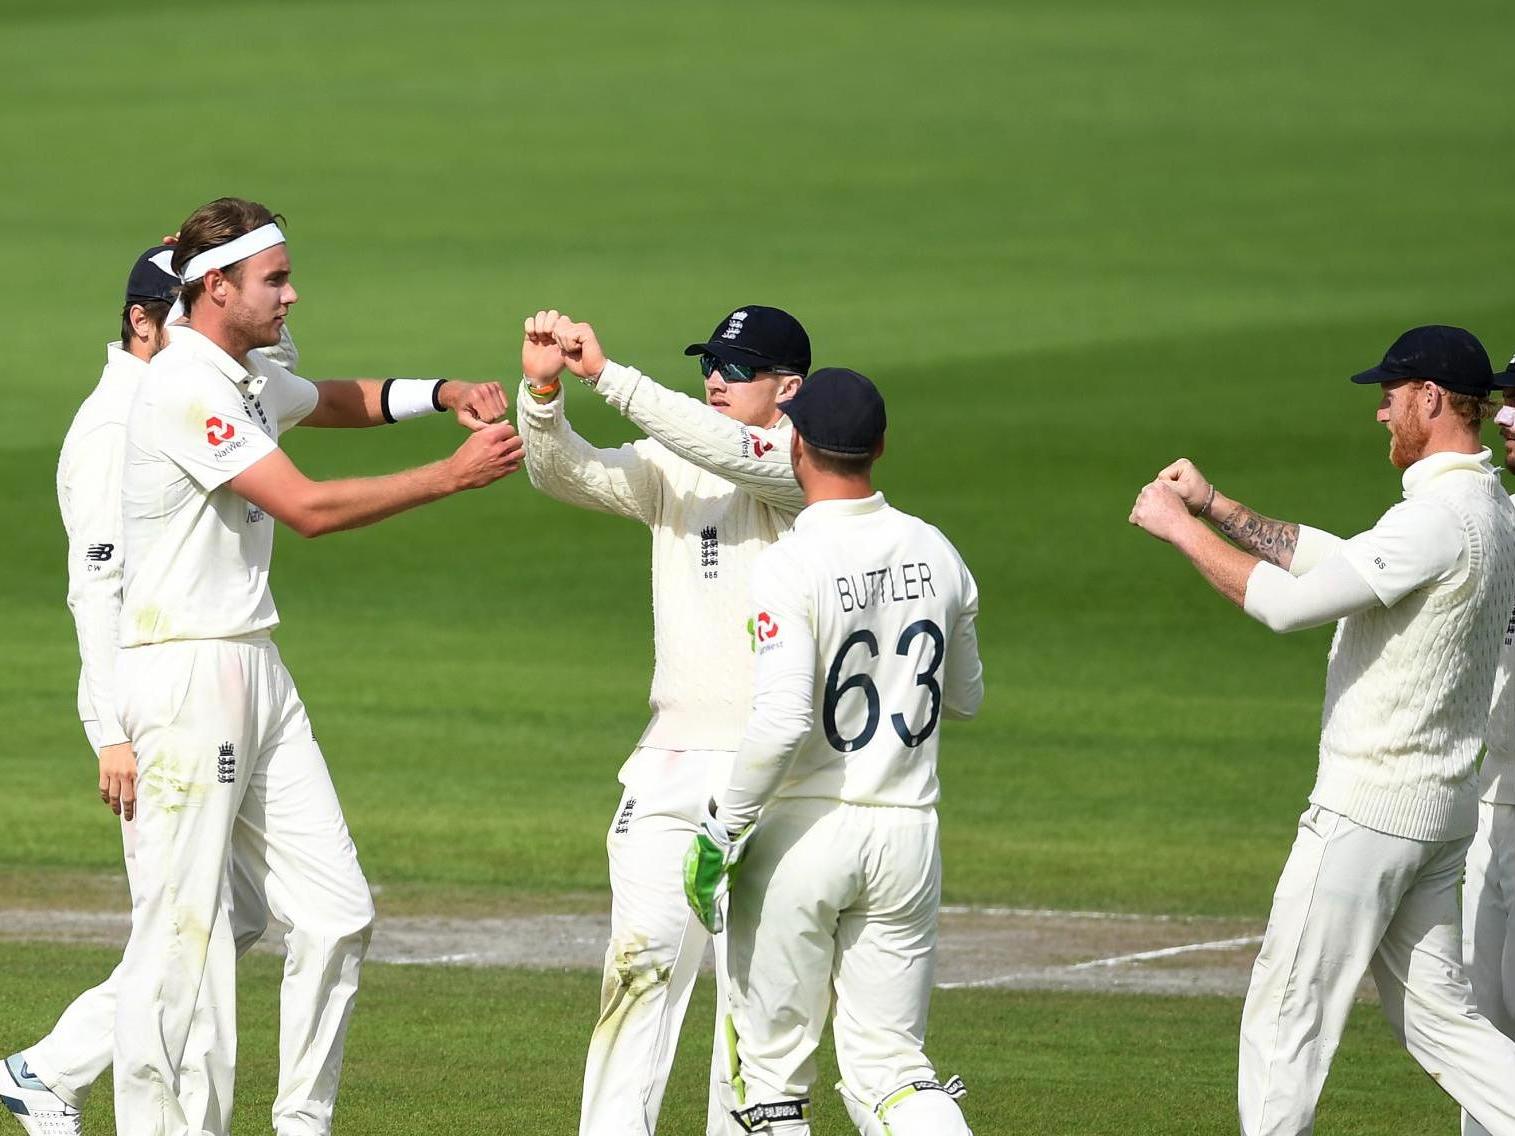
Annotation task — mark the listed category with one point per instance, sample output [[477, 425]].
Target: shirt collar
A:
[[823, 511], [1427, 469], [201, 346], [120, 361]]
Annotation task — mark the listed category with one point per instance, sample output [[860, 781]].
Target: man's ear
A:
[[217, 285], [789, 386], [141, 323]]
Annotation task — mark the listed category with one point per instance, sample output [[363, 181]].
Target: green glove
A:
[[709, 867]]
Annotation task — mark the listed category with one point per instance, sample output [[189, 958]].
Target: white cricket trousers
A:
[[1488, 924], [228, 768], [1352, 899], [71, 1058], [656, 945], [834, 896]]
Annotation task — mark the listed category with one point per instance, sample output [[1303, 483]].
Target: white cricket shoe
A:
[[40, 1111]]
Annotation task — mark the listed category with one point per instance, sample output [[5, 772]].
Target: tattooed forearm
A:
[[1274, 541]]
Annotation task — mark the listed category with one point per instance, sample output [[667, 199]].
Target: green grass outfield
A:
[[1070, 240], [460, 1052]]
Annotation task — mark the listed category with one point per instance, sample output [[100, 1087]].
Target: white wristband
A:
[[410, 398]]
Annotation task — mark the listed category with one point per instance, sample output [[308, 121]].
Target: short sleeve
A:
[[291, 398], [1416, 543], [207, 430]]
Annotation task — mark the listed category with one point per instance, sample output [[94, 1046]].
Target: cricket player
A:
[[228, 765], [714, 485], [1488, 891], [1423, 599], [863, 629], [46, 1085]]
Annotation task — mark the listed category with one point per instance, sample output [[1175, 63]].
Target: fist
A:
[[580, 347], [487, 455], [1160, 510], [475, 404], [1192, 486], [541, 357]]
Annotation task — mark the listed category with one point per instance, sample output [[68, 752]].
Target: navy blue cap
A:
[[1450, 357], [838, 410], [765, 338], [151, 277], [1506, 377]]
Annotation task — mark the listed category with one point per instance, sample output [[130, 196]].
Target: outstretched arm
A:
[[349, 403], [1416, 544], [1294, 547], [314, 508]]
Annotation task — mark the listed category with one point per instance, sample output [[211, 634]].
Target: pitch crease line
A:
[[1055, 913], [1169, 952]]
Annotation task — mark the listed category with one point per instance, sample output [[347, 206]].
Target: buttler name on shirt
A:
[[881, 586]]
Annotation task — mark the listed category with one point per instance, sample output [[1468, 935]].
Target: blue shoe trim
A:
[[23, 1076]]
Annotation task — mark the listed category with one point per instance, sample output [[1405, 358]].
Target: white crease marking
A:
[[1169, 952]]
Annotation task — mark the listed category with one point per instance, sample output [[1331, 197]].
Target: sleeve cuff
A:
[[616, 384], [1263, 588], [1313, 547], [544, 414]]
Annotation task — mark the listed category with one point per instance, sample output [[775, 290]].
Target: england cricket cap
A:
[[1506, 377], [756, 336], [151, 278], [838, 410], [1450, 357]]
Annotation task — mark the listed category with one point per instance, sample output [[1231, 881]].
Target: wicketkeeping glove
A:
[[709, 867]]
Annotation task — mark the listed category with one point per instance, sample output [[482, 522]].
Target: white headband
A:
[[222, 256]]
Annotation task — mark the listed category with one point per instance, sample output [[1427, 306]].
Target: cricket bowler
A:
[[47, 1084], [1423, 599], [863, 628], [228, 765]]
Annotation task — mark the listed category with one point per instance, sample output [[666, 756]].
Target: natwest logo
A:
[[218, 432], [760, 447], [767, 627]]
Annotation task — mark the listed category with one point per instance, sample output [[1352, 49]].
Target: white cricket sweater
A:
[[715, 493], [1408, 684], [1496, 776]]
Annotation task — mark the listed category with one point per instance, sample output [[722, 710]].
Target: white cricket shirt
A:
[[863, 630], [714, 494], [197, 554], [89, 499]]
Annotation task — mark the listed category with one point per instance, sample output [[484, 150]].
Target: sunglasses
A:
[[735, 372]]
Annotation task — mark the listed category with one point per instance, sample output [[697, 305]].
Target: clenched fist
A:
[[487, 455], [475, 404], [1184, 476], [581, 348], [541, 357], [1160, 510]]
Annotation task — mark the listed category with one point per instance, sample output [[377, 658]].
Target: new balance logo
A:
[[226, 763], [100, 552], [710, 552]]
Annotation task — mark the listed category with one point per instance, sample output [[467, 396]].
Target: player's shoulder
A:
[[793, 554]]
